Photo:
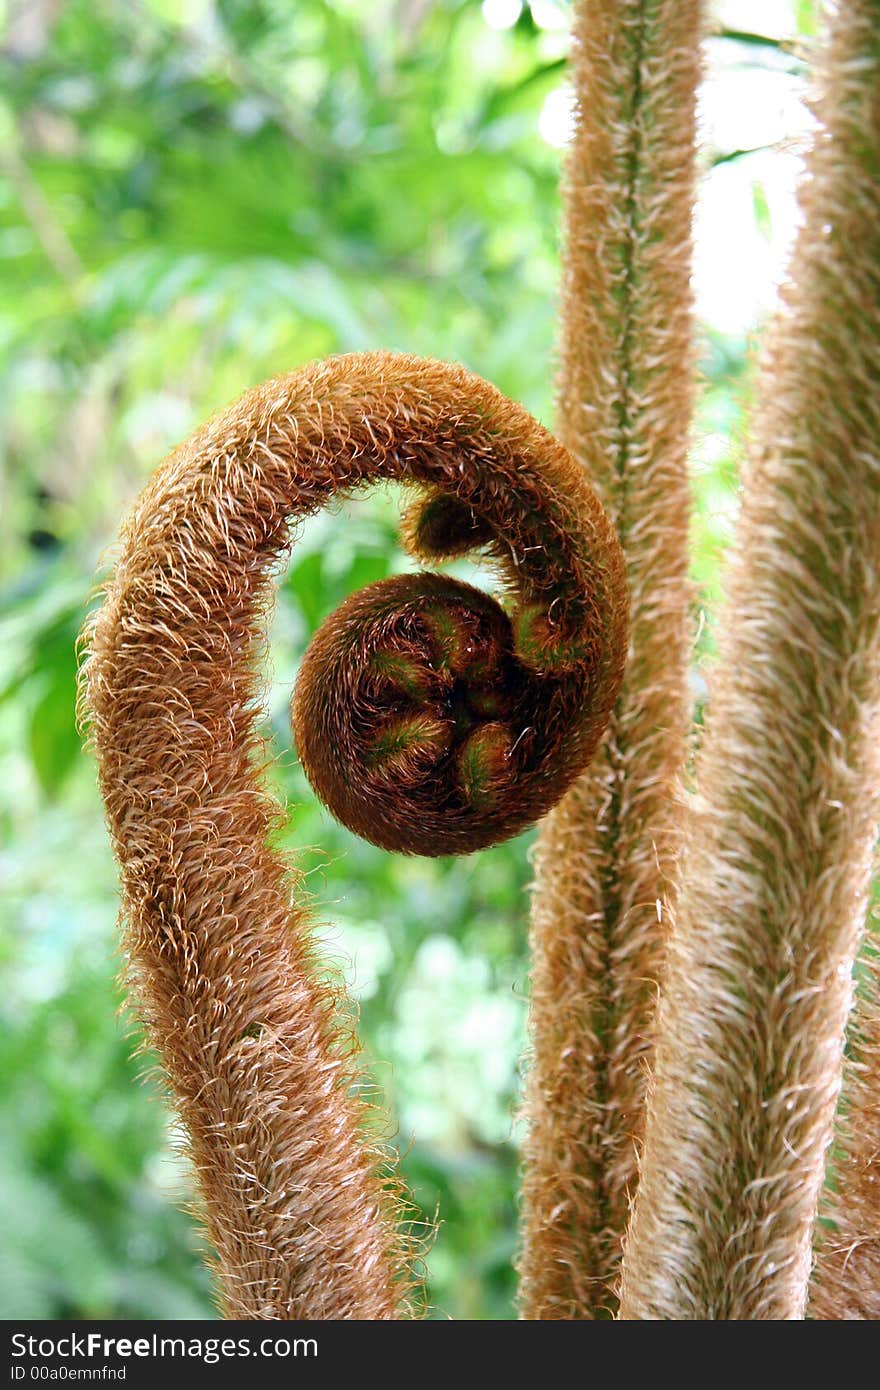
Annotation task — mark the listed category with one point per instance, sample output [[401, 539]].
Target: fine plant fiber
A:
[[847, 1271], [846, 1275], [777, 865], [605, 881], [298, 1192]]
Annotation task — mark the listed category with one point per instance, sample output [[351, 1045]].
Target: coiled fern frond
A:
[[428, 715]]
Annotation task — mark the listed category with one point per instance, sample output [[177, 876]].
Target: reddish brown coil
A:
[[476, 743]]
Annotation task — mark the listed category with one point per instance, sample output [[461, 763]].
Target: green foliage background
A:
[[194, 196]]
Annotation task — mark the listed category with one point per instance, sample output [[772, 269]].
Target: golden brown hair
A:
[[448, 708], [845, 244], [777, 865], [606, 863]]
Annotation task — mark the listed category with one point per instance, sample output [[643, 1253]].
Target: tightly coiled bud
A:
[[429, 723]]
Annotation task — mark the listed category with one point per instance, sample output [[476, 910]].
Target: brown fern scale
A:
[[432, 719]]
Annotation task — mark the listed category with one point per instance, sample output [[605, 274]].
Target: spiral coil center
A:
[[435, 724]]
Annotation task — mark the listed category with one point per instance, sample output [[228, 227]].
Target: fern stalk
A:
[[777, 866], [606, 863], [847, 1275]]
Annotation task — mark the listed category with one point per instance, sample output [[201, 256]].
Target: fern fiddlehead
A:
[[459, 722]]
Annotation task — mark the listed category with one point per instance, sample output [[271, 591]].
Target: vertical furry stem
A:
[[847, 1274], [777, 866], [605, 868], [846, 1277]]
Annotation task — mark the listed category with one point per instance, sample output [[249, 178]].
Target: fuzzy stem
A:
[[846, 1276], [605, 868], [847, 1272], [298, 1209], [777, 865]]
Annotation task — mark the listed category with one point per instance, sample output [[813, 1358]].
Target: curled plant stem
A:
[[777, 864], [606, 861], [297, 1200], [431, 721]]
